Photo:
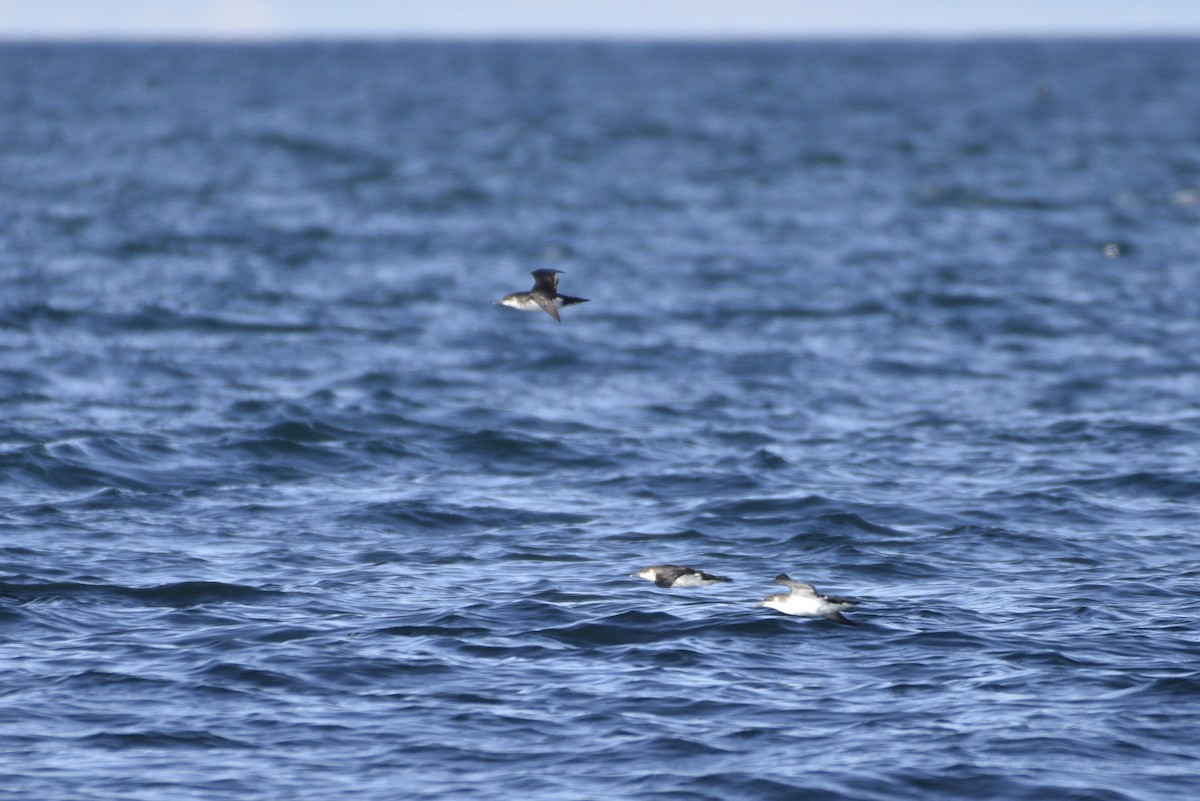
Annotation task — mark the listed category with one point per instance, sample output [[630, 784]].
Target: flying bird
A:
[[804, 600], [678, 576], [544, 295]]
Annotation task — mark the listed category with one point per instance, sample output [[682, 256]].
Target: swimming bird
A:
[[678, 576], [803, 599], [544, 295]]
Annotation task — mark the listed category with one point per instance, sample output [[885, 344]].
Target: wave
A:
[[180, 594]]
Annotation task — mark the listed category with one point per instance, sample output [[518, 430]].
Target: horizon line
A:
[[640, 37]]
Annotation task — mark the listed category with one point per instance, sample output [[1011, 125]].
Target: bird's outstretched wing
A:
[[799, 586], [668, 573], [711, 577], [548, 305], [545, 281]]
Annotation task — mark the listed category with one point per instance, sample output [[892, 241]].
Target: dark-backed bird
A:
[[804, 600], [544, 295], [678, 576]]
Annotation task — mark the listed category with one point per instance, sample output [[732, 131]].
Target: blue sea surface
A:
[[290, 510]]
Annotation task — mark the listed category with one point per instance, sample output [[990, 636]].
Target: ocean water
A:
[[289, 509]]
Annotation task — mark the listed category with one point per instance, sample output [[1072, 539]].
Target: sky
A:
[[274, 19]]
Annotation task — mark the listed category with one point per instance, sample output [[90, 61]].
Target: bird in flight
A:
[[678, 576], [804, 600], [544, 295]]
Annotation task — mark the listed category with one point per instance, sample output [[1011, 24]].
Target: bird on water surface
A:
[[678, 576], [804, 600], [544, 295]]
